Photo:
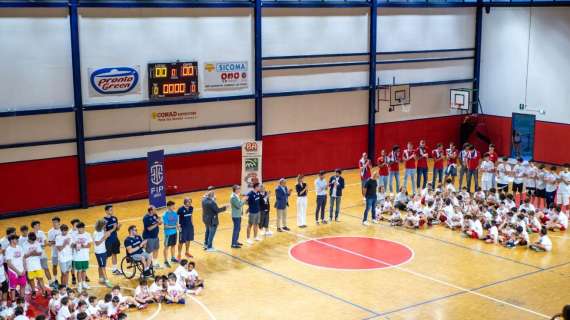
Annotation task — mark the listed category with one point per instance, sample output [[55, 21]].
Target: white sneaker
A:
[[85, 286], [366, 223], [268, 233], [79, 287], [375, 221], [249, 241], [211, 250], [257, 239]]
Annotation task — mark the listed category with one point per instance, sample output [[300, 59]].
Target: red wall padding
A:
[[127, 180], [286, 155], [434, 130], [547, 135], [38, 184]]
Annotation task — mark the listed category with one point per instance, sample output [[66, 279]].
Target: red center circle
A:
[[351, 253]]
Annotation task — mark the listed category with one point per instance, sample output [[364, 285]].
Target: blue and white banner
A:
[[156, 175], [114, 81], [225, 75]]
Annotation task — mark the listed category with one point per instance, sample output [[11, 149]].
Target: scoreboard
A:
[[171, 80]]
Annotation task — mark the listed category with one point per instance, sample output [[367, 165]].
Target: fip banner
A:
[[250, 165], [156, 174]]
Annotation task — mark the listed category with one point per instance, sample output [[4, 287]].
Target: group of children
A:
[[492, 216], [24, 265]]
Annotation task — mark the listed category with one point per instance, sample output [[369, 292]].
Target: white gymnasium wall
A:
[[106, 122], [503, 60], [314, 31], [38, 152], [413, 29], [35, 59], [314, 112], [127, 37], [172, 143], [525, 60], [405, 29]]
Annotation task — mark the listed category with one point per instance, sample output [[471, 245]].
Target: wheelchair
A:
[[130, 268]]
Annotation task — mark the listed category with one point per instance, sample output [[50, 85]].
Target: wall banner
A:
[[225, 75], [156, 176], [114, 81], [251, 153]]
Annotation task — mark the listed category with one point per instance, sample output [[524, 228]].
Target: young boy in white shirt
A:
[[174, 292], [64, 253], [544, 243], [81, 243], [488, 171], [32, 254], [14, 256], [52, 234], [42, 240], [64, 313]]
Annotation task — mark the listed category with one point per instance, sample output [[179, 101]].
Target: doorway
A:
[[522, 136]]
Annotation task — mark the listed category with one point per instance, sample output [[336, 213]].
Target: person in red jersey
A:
[[422, 156], [438, 156], [394, 167], [365, 168], [409, 157], [451, 168], [383, 169], [472, 166]]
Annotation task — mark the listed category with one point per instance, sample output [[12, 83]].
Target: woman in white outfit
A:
[[301, 188]]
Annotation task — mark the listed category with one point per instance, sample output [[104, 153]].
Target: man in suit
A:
[[281, 203], [210, 211], [336, 184]]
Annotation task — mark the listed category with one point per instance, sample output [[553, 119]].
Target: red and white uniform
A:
[[493, 157], [364, 165], [422, 157], [383, 166], [409, 158], [437, 158], [472, 160], [394, 161], [451, 156]]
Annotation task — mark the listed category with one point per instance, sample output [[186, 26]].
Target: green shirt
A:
[[237, 205]]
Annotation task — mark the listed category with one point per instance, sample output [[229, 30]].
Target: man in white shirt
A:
[[32, 253], [503, 175], [52, 234], [519, 174], [551, 179], [530, 180], [14, 256], [64, 253], [488, 169], [321, 191], [82, 243]]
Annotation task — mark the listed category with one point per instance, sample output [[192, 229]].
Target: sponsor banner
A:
[[114, 81], [156, 176], [225, 75], [251, 153], [172, 118]]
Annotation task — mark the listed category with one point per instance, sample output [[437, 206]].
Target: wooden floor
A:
[[449, 277]]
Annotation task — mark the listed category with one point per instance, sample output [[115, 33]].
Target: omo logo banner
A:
[[156, 175], [226, 75]]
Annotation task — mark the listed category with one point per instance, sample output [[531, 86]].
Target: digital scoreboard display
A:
[[172, 80]]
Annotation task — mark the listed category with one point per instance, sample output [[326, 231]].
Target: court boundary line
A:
[[350, 270], [294, 281], [463, 292], [421, 275]]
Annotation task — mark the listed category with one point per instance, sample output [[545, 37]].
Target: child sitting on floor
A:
[[142, 293], [174, 292], [544, 243]]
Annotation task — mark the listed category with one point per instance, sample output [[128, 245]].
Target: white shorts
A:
[[486, 185], [563, 198]]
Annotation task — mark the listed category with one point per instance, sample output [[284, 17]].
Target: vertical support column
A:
[[78, 102], [477, 60], [258, 72], [372, 81]]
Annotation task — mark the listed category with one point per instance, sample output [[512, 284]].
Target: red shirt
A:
[[437, 158], [364, 166], [383, 165], [493, 156], [394, 161], [411, 162], [472, 160], [422, 161], [451, 156]]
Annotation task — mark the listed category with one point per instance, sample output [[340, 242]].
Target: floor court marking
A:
[[297, 282], [203, 306], [421, 275]]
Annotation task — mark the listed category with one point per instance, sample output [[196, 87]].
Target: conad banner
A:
[[225, 75], [251, 153], [172, 118], [156, 174]]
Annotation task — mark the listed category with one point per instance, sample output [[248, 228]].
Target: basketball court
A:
[[133, 103]]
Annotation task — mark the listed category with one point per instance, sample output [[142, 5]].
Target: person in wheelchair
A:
[[135, 250]]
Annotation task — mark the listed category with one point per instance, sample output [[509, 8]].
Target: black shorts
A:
[[517, 187], [4, 286], [264, 220], [540, 193], [530, 191], [170, 240], [503, 187], [187, 234], [113, 246]]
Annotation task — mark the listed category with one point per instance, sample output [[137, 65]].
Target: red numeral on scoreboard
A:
[[193, 88], [173, 73], [173, 88], [187, 71]]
